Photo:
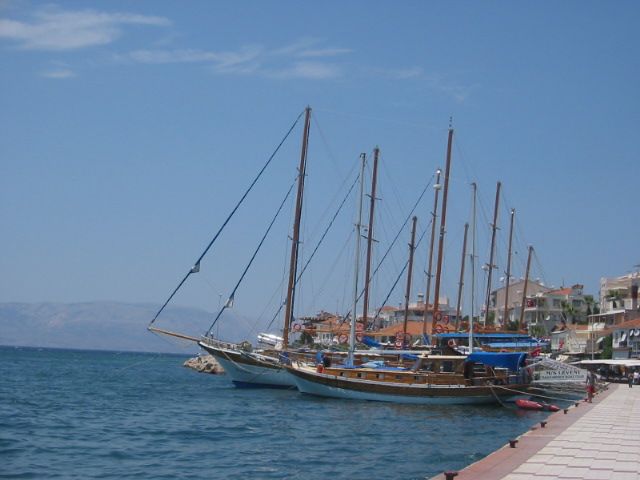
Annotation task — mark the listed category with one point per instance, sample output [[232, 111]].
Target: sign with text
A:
[[560, 375]]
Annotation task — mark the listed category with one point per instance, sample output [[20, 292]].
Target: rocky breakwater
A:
[[204, 364]]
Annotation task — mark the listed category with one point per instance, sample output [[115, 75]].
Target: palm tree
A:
[[588, 299], [568, 311]]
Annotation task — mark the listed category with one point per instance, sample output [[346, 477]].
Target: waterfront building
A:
[[619, 293], [626, 340], [578, 340], [390, 315], [547, 309], [515, 288]]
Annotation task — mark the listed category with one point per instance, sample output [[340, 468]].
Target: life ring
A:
[[398, 343], [359, 327], [344, 338], [452, 343], [438, 328], [445, 319], [437, 316], [359, 336], [297, 327]]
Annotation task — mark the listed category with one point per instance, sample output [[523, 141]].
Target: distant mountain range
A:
[[105, 326]]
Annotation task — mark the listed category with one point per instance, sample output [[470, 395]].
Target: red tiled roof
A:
[[561, 291], [635, 323], [413, 328]]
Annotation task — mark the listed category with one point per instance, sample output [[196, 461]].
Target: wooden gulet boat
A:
[[476, 379]]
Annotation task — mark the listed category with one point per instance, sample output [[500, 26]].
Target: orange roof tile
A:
[[635, 323], [561, 291], [413, 328]]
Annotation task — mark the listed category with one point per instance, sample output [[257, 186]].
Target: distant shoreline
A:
[[79, 349]]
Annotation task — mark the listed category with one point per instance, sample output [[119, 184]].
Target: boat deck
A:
[[595, 441]]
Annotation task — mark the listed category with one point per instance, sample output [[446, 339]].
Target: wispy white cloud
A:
[[54, 29], [308, 70], [58, 74], [324, 52], [172, 56], [279, 63]]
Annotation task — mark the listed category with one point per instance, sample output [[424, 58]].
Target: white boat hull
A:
[[248, 370]]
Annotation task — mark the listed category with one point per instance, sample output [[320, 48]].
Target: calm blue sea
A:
[[81, 414]]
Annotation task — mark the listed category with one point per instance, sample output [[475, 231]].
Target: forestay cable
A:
[[196, 265], [229, 302]]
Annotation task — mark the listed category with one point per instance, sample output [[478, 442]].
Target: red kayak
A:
[[531, 405]]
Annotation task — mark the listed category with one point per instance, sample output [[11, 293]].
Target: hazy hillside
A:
[[104, 326]]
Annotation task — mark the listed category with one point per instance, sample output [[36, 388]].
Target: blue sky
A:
[[129, 130]]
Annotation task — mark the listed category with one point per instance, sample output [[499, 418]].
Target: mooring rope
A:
[[534, 394]]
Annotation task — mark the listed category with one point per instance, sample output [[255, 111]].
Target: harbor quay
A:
[[591, 441]]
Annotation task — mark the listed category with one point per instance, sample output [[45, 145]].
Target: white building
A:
[[626, 340], [552, 307], [619, 293]]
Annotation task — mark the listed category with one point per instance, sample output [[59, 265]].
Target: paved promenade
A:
[[597, 441]]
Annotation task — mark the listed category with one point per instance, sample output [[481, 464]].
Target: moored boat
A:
[[475, 379]]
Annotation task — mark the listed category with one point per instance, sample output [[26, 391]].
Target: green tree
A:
[[306, 338], [568, 312], [537, 331], [607, 347]]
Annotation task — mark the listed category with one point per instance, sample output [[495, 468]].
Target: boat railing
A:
[[214, 342]]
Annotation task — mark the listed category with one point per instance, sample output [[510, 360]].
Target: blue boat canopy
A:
[[511, 360], [525, 343], [370, 342], [480, 336]]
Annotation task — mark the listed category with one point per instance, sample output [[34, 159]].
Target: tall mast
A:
[[354, 315], [295, 238], [407, 294], [443, 223], [524, 290], [505, 319], [461, 283], [367, 275], [434, 216], [494, 227], [473, 265]]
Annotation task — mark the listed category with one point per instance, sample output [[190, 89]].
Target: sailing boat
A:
[[265, 368], [480, 377]]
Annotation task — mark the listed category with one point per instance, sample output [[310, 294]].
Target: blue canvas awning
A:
[[480, 336], [511, 360], [524, 343], [370, 342]]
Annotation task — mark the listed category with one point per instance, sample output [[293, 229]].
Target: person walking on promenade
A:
[[636, 377], [591, 385], [630, 378]]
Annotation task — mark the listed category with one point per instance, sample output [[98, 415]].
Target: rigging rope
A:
[[324, 234], [196, 265], [229, 302], [415, 205], [395, 284]]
